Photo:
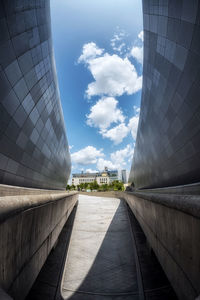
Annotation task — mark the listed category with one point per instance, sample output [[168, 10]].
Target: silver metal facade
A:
[[167, 151], [33, 144]]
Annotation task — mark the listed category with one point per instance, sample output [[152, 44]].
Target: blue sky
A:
[[98, 52]]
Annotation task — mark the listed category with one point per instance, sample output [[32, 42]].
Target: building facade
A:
[[123, 175], [33, 144], [105, 177], [167, 151]]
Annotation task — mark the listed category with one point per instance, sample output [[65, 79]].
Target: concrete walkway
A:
[[101, 261], [108, 257]]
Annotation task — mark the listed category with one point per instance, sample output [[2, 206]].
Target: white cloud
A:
[[133, 122], [105, 112], [116, 134], [102, 163], [71, 146], [141, 35], [91, 171], [137, 53], [120, 156], [119, 132], [90, 155], [117, 42], [118, 159], [118, 37], [119, 48], [113, 76], [86, 156], [90, 51]]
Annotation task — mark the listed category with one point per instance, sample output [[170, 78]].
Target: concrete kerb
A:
[[29, 227], [171, 224], [12, 205], [189, 204]]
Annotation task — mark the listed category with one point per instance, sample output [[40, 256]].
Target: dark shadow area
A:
[[47, 284], [155, 283]]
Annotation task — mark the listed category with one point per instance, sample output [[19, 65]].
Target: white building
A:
[[124, 176], [104, 177]]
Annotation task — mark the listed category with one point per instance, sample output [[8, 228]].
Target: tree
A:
[[73, 187], [68, 187], [85, 185], [94, 185], [104, 187], [81, 186], [117, 185]]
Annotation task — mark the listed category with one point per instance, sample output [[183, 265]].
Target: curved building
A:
[[33, 144], [167, 151]]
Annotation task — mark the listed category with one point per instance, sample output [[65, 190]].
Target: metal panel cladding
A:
[[33, 145], [167, 151]]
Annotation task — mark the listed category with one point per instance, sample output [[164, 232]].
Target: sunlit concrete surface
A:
[[100, 262]]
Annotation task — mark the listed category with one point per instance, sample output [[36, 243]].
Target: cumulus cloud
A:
[[90, 51], [86, 156], [104, 112], [141, 35], [91, 171], [120, 156], [90, 155], [102, 163], [119, 132], [118, 159], [116, 134], [133, 122], [113, 76], [137, 53]]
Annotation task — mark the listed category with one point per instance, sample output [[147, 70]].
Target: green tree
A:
[[68, 187], [94, 185], [117, 185], [86, 185], [104, 187], [73, 187], [81, 186]]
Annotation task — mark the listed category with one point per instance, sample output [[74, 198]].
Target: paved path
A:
[[100, 262]]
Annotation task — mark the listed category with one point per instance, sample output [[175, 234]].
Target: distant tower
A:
[[123, 173]]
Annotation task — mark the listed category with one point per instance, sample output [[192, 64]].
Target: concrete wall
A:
[[29, 228], [171, 224], [10, 190]]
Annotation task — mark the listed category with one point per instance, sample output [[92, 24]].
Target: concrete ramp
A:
[[101, 260], [102, 254]]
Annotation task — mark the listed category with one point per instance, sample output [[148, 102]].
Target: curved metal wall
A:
[[167, 150], [33, 144]]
